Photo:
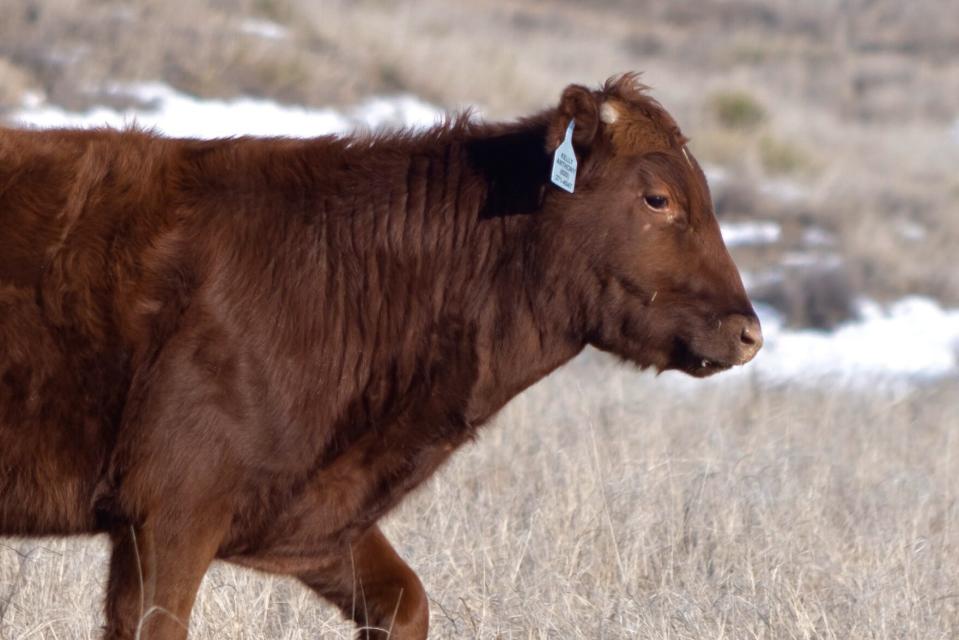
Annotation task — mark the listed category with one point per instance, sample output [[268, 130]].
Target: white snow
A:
[[737, 234], [399, 111], [818, 237], [810, 260], [715, 175], [913, 339], [783, 190], [266, 29], [176, 114], [911, 230], [756, 279]]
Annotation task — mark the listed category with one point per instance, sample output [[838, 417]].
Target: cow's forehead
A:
[[641, 123]]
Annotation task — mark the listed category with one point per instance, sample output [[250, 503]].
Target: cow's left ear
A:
[[580, 105]]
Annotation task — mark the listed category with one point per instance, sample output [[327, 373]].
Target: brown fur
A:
[[251, 349]]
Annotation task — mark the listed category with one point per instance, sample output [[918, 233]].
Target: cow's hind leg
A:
[[367, 580], [376, 588]]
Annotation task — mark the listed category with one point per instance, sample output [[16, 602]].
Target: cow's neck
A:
[[463, 236], [518, 345], [467, 309], [524, 319]]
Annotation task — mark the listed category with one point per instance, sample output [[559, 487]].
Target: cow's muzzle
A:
[[745, 334]]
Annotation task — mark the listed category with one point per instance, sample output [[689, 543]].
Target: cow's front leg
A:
[[169, 496], [155, 572]]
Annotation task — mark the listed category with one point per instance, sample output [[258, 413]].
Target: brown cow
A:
[[252, 349]]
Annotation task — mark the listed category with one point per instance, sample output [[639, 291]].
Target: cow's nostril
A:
[[751, 334], [745, 334]]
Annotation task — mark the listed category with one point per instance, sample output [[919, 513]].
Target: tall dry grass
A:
[[611, 504]]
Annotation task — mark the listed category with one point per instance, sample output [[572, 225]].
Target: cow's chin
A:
[[699, 363], [675, 355], [679, 354]]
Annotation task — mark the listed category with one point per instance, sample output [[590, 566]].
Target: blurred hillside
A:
[[830, 119]]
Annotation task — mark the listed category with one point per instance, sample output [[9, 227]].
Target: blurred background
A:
[[808, 495]]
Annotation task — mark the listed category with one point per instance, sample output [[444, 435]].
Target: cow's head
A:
[[656, 283]]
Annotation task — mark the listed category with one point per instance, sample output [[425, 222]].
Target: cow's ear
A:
[[580, 105]]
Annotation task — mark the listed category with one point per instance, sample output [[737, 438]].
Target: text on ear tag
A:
[[564, 162]]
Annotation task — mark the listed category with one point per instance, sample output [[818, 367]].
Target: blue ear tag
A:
[[564, 162]]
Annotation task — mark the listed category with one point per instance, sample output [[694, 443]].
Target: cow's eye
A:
[[659, 203]]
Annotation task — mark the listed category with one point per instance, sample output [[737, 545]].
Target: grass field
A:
[[607, 503]]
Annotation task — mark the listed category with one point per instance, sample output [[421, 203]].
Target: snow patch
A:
[[177, 114], [913, 338], [266, 29], [715, 175], [737, 234], [911, 230], [783, 190], [818, 237], [753, 280], [401, 111], [810, 260]]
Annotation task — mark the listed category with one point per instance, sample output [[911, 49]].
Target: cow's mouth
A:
[[708, 367], [696, 364]]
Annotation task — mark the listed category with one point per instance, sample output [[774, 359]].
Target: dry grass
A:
[[611, 504]]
